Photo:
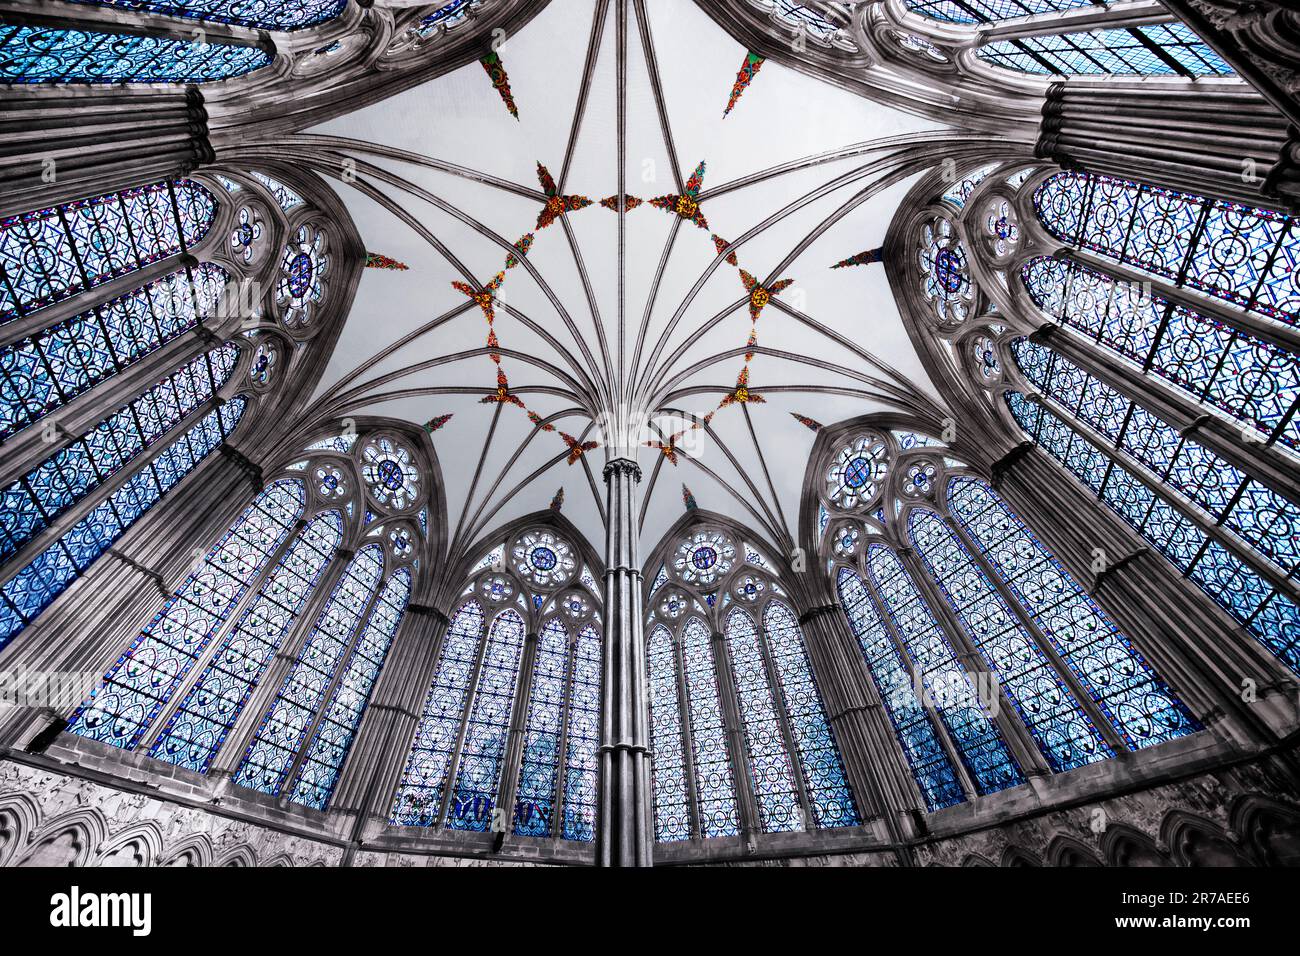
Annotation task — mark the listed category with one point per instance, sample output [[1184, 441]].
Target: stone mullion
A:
[[327, 695], [263, 693], [120, 593], [751, 823], [562, 754], [1030, 626], [1204, 668], [471, 695], [1018, 737], [968, 785], [797, 768], [200, 664], [508, 785], [687, 740], [1164, 402], [855, 711], [1212, 527], [369, 776], [55, 529], [1126, 14]]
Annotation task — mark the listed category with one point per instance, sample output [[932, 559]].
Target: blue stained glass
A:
[[1234, 585], [543, 730], [714, 784], [1138, 704], [771, 772], [320, 770], [198, 728], [990, 11], [446, 16], [482, 754], [419, 796], [33, 588], [45, 371], [929, 762], [285, 197], [976, 738], [287, 722], [1241, 254], [262, 14], [1244, 379], [819, 758], [68, 475], [1153, 49], [583, 741], [143, 679], [53, 55], [49, 255], [1059, 725], [672, 815]]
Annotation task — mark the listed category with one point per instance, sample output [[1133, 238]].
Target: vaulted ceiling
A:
[[610, 313]]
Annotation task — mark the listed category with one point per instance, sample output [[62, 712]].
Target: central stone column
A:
[[623, 830]]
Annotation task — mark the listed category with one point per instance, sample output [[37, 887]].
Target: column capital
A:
[[428, 610], [622, 466], [1008, 461], [820, 610]]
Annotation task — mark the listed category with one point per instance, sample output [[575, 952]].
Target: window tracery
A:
[[945, 564], [729, 634], [525, 635]]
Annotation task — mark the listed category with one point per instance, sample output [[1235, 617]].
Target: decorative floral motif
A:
[[855, 476], [1001, 228], [673, 605], [862, 258], [748, 70], [704, 557], [496, 71], [246, 237], [985, 353], [399, 539], [750, 588], [575, 605], [302, 276], [846, 541], [945, 278], [390, 473], [687, 205], [919, 482], [543, 559], [496, 588], [331, 483], [262, 369]]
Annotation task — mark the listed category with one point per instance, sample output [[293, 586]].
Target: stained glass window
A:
[[1136, 702], [1247, 380], [261, 14], [45, 371], [672, 815], [543, 731], [206, 715], [478, 771], [1061, 728], [990, 11], [1153, 49], [419, 796], [819, 759], [445, 17], [975, 737], [332, 739], [1246, 593], [1256, 514], [37, 499], [54, 55], [1241, 254], [775, 790], [136, 687], [929, 762], [583, 741], [286, 724], [714, 784], [285, 197], [51, 254], [33, 588]]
